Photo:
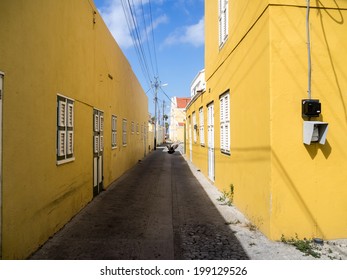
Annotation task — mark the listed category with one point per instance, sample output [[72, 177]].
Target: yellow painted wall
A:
[[178, 115], [283, 187], [242, 67], [49, 48], [309, 194], [200, 150]]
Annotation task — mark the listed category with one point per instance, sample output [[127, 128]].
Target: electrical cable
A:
[[308, 48]]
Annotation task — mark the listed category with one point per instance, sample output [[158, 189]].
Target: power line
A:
[[138, 37], [147, 39], [132, 35], [152, 28]]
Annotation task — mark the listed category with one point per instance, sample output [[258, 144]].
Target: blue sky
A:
[[178, 28]]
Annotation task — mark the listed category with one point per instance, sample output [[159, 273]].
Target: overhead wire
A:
[[138, 38], [147, 39], [133, 16], [152, 28], [132, 35]]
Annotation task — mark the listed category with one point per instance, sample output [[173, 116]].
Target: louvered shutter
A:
[[227, 122], [61, 113], [96, 123], [222, 135], [202, 132], [101, 147], [70, 142], [61, 143], [225, 20], [223, 15], [96, 144], [70, 115], [101, 121], [124, 128]]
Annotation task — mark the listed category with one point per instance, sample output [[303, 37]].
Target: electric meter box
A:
[[315, 132], [311, 108]]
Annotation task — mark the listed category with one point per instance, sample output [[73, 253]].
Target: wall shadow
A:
[[200, 232]]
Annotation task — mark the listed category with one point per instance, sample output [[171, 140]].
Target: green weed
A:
[[305, 245]]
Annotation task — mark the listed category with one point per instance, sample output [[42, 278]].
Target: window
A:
[[223, 15], [195, 127], [201, 122], [225, 123], [132, 127], [65, 129], [114, 131], [124, 129], [142, 131], [137, 128]]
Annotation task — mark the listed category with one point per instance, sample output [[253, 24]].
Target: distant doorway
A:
[[98, 151]]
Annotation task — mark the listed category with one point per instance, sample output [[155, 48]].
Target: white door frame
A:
[[98, 151], [1, 98], [210, 142], [190, 136]]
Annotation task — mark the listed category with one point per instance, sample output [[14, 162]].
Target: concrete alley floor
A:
[[163, 208]]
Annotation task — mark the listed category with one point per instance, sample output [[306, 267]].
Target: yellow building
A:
[[73, 117], [177, 118], [247, 129]]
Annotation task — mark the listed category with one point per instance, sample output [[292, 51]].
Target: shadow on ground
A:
[[157, 210]]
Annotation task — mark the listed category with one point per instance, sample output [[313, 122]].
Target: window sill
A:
[[60, 162]]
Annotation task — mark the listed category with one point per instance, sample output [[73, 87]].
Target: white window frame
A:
[[195, 127], [223, 21], [65, 129], [202, 126], [124, 132], [114, 131], [225, 123], [132, 127]]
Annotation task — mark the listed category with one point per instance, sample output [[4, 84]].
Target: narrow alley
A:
[[157, 210]]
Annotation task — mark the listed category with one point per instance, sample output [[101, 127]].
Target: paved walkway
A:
[[163, 208]]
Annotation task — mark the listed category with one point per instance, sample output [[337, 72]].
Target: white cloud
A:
[[116, 22], [192, 34]]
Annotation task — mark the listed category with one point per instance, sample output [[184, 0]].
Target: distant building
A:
[[177, 118], [198, 84]]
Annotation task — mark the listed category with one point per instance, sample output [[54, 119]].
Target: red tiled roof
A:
[[182, 102], [181, 124]]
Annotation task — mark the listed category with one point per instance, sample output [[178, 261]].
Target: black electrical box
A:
[[311, 108]]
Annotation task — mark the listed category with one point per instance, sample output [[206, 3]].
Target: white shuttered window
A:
[[225, 123], [124, 128], [114, 131], [194, 127], [65, 129], [201, 123], [223, 14]]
